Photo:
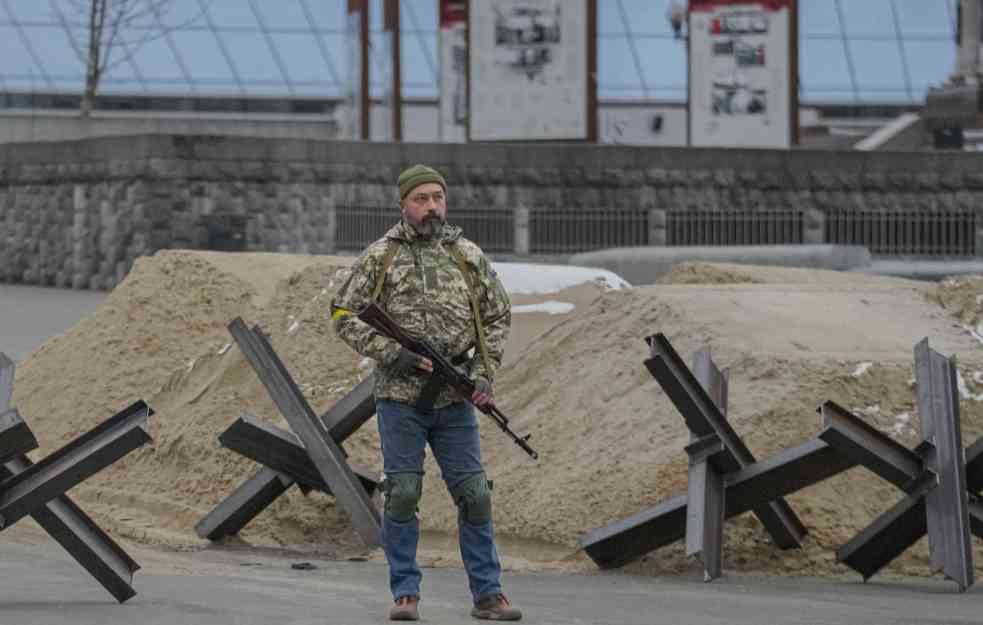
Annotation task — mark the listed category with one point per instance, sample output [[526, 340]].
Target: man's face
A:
[[425, 208]]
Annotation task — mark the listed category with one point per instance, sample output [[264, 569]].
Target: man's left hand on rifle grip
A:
[[482, 395]]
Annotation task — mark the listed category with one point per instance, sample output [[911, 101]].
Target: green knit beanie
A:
[[415, 176]]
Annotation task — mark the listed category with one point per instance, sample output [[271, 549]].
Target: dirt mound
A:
[[610, 441], [612, 438], [963, 298], [706, 273], [161, 336]]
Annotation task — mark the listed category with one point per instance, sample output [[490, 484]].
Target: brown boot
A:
[[496, 608], [405, 609]]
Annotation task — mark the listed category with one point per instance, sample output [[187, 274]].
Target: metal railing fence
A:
[[550, 231], [948, 233], [570, 230], [759, 227]]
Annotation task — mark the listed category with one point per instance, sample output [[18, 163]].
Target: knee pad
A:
[[473, 498], [403, 492]]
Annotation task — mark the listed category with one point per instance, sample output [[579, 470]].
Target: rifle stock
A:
[[442, 367]]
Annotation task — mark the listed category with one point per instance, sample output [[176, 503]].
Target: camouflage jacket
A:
[[425, 293]]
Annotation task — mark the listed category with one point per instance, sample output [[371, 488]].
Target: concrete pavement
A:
[[41, 584]]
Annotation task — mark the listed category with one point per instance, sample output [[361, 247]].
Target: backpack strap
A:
[[392, 246], [455, 252]]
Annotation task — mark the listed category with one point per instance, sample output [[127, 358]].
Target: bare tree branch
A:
[[72, 40], [104, 45]]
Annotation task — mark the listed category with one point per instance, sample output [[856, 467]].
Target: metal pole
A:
[[366, 101], [968, 65], [592, 71], [393, 26]]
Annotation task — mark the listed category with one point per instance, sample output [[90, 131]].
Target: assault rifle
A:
[[442, 368]]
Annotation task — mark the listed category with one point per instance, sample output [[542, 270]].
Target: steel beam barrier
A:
[[16, 438], [69, 466], [702, 418], [244, 504], [854, 438], [935, 477], [91, 547], [890, 535], [946, 507], [631, 538], [711, 378], [342, 420], [6, 382], [974, 467], [976, 517], [705, 483], [786, 472], [705, 505], [78, 534], [281, 451], [351, 411], [896, 530], [324, 452], [789, 471]]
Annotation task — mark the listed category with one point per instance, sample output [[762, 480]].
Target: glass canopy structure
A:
[[852, 52]]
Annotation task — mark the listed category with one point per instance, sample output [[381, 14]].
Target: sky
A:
[[851, 51]]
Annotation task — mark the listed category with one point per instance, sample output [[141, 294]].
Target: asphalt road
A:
[[30, 315]]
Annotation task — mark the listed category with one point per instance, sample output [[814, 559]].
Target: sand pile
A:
[[613, 441], [610, 442], [161, 336], [706, 273], [963, 297]]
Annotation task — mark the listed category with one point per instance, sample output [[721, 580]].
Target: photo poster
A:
[[453, 71], [528, 70], [740, 73], [353, 78]]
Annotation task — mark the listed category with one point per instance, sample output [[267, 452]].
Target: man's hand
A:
[[482, 395], [411, 362]]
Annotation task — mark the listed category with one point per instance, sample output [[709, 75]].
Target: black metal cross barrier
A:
[[321, 464], [284, 461], [940, 481], [724, 481], [38, 489]]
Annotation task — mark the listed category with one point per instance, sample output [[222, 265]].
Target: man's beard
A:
[[431, 227]]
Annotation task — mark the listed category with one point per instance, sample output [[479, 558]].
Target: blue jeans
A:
[[453, 436]]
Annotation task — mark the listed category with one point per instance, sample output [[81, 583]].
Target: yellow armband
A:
[[339, 313]]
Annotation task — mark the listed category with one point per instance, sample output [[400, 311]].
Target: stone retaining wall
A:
[[78, 213]]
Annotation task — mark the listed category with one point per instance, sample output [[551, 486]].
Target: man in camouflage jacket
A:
[[427, 277]]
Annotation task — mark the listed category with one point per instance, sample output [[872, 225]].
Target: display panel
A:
[[741, 73], [528, 69]]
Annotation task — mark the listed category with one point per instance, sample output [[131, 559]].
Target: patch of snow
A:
[[976, 333], [531, 278], [964, 391], [902, 423], [551, 307], [861, 369]]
